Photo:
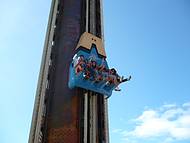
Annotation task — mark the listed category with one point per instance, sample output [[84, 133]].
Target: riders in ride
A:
[[114, 78], [79, 64], [90, 70], [96, 73], [87, 73], [101, 71]]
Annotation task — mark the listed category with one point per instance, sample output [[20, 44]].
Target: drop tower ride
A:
[[61, 114]]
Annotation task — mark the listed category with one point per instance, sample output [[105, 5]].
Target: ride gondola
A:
[[89, 68]]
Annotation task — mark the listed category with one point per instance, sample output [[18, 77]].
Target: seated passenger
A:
[[101, 71], [103, 65], [121, 80], [79, 64], [105, 73], [98, 78], [93, 70], [111, 77], [116, 79], [89, 69], [86, 74], [99, 74]]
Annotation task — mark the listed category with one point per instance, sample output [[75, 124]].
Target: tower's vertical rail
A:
[[86, 96], [85, 118], [92, 96], [98, 122], [92, 18]]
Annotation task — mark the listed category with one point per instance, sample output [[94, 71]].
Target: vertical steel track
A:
[[62, 115], [97, 129]]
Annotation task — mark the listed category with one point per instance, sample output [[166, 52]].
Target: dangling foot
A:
[[122, 78], [117, 89], [129, 77]]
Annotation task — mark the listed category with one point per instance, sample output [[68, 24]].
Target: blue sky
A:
[[148, 39]]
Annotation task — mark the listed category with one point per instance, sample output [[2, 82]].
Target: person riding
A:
[[86, 74], [90, 69], [110, 77], [116, 79], [79, 64], [93, 70], [101, 71]]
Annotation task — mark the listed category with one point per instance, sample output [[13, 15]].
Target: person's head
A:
[[93, 63], [104, 69], [113, 71], [103, 59], [81, 56]]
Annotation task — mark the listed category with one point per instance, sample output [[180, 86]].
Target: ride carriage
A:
[[89, 68]]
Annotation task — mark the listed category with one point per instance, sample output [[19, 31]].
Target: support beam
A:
[[42, 80]]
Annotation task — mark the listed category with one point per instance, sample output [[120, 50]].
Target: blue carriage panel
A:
[[79, 80]]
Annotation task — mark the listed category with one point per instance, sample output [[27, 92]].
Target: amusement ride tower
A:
[[62, 114]]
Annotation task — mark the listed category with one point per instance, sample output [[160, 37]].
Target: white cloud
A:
[[170, 122], [186, 104], [169, 106]]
